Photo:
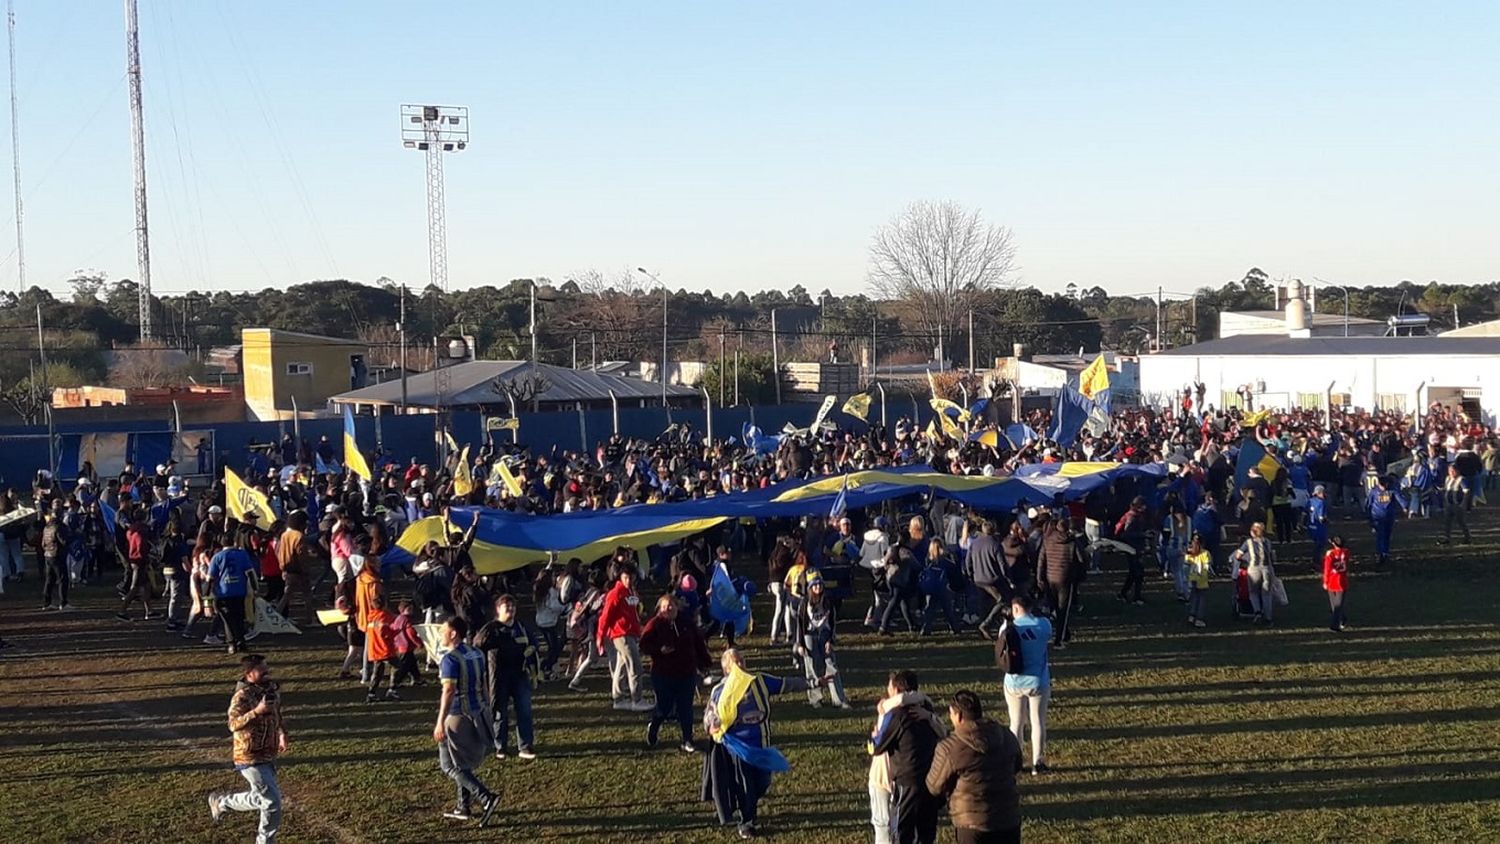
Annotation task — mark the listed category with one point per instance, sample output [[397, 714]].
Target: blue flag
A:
[[725, 604], [841, 503], [1072, 412]]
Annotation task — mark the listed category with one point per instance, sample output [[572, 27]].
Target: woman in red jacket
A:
[[677, 652], [620, 632], [1335, 577]]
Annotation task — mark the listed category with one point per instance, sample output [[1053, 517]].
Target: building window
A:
[[299, 369], [1392, 401], [1310, 401], [1230, 398]]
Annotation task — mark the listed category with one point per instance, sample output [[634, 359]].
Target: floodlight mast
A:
[[436, 130]]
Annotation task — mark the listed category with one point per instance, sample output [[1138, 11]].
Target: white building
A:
[[1297, 370]]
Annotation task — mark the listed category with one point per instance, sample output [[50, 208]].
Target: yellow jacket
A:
[[1199, 567]]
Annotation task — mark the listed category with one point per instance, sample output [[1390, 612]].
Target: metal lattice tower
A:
[[436, 130], [138, 146]]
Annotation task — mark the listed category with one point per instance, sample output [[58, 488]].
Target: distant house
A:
[[287, 373]]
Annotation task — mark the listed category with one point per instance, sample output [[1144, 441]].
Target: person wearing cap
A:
[[255, 721]]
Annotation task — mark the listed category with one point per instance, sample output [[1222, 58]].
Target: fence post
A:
[[614, 411], [709, 405], [881, 387], [297, 424], [583, 431]]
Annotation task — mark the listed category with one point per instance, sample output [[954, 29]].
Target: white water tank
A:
[[1296, 309]]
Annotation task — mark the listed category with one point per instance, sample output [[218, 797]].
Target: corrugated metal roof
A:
[[469, 384], [1271, 344], [1323, 318]]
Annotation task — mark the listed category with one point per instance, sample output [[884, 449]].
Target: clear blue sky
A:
[[757, 145]]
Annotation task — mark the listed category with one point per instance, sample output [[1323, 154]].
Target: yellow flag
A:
[[1095, 378], [858, 407], [950, 427], [508, 478], [1250, 420], [942, 406], [245, 501], [452, 444], [463, 476]]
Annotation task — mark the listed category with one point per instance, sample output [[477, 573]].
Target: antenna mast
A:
[[138, 145], [15, 146]]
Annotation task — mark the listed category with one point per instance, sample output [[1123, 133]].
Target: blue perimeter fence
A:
[[24, 450]]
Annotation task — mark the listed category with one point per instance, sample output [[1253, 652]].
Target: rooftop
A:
[[1272, 344], [469, 384], [1314, 320]]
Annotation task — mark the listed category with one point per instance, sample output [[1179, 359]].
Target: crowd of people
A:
[[1015, 578]]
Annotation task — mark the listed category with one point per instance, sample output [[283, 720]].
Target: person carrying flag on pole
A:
[[737, 770]]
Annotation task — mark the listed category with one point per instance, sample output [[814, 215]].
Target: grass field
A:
[[1389, 731]]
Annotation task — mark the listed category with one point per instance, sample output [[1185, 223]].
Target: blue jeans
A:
[[554, 638], [1383, 530], [11, 563], [263, 796], [514, 687]]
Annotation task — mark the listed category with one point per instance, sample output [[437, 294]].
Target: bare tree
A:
[[618, 311], [146, 365], [937, 259], [520, 389]]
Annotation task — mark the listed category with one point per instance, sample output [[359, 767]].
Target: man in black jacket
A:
[[908, 736], [512, 655]]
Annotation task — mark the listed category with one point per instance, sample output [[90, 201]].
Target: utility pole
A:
[[663, 345], [971, 340], [721, 365], [401, 329], [594, 351], [1158, 318], [15, 147], [138, 146], [775, 358], [41, 345], [435, 130], [575, 352], [874, 346]]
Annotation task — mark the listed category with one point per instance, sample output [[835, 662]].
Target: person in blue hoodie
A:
[[1383, 506], [1208, 525], [1317, 521]]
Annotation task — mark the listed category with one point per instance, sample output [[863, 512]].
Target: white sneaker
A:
[[211, 639], [66, 608], [527, 754]]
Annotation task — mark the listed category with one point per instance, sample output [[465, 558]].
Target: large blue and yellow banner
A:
[[505, 540]]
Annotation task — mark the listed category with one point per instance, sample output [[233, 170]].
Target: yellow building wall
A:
[[270, 386]]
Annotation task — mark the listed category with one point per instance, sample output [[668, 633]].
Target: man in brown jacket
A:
[[259, 737], [975, 769], [292, 553]]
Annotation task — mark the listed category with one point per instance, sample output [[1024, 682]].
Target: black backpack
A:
[[1008, 650]]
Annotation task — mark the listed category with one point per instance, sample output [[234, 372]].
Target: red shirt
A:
[[620, 615], [1335, 569]]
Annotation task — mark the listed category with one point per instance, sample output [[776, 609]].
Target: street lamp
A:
[[653, 276], [547, 293], [1343, 290]]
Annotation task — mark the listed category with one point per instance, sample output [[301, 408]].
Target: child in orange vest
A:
[[380, 648]]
